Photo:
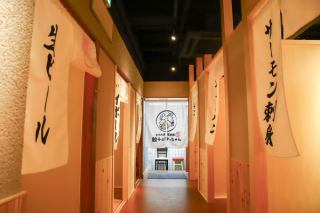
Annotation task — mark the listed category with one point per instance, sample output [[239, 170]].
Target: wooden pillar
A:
[[227, 29], [247, 6], [126, 147], [199, 66], [207, 58], [191, 75], [226, 18], [209, 148], [15, 43], [87, 186], [192, 154]]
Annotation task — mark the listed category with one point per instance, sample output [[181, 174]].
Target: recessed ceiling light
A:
[[173, 68], [173, 38]]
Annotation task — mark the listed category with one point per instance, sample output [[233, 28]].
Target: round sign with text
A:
[[166, 121]]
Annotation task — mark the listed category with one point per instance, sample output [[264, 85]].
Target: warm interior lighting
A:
[[108, 2], [173, 68], [173, 38]]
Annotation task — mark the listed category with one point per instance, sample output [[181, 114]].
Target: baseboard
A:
[[136, 184], [120, 206], [203, 196], [218, 197]]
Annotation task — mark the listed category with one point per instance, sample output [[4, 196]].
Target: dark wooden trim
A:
[[87, 187]]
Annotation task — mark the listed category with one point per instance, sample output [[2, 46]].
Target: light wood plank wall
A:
[[14, 203], [104, 143]]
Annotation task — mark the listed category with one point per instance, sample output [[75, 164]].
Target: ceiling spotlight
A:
[[173, 68], [173, 38]]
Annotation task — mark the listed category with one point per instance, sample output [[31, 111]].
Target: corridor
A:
[[171, 106], [170, 196]]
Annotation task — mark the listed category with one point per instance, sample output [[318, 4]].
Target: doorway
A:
[[165, 138], [118, 164]]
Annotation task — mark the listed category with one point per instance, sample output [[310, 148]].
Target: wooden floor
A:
[[170, 195]]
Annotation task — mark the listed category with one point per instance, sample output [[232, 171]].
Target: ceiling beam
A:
[[121, 20], [184, 15]]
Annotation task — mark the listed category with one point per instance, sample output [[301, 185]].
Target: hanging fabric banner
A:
[[121, 95], [139, 117], [212, 109], [84, 55], [57, 42], [194, 112], [294, 14], [272, 111], [166, 124], [121, 88]]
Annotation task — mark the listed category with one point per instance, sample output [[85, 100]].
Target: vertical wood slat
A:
[[191, 163], [191, 75], [209, 160], [14, 203], [227, 29], [132, 147], [207, 58], [199, 66], [226, 19], [104, 187], [210, 172], [239, 181], [126, 147]]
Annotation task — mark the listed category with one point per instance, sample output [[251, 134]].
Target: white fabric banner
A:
[[297, 13], [166, 124], [271, 102], [121, 88], [121, 95], [139, 117], [194, 112], [212, 109], [57, 42]]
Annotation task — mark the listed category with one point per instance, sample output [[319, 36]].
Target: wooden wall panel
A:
[[240, 187], [206, 169], [166, 89], [211, 170], [197, 150], [203, 172], [203, 186], [192, 159], [220, 148], [14, 203], [126, 148], [103, 186], [105, 107], [132, 147]]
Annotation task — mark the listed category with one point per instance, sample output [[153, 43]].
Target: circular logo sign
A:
[[166, 121]]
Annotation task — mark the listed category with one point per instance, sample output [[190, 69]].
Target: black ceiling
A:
[[312, 32], [147, 25]]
